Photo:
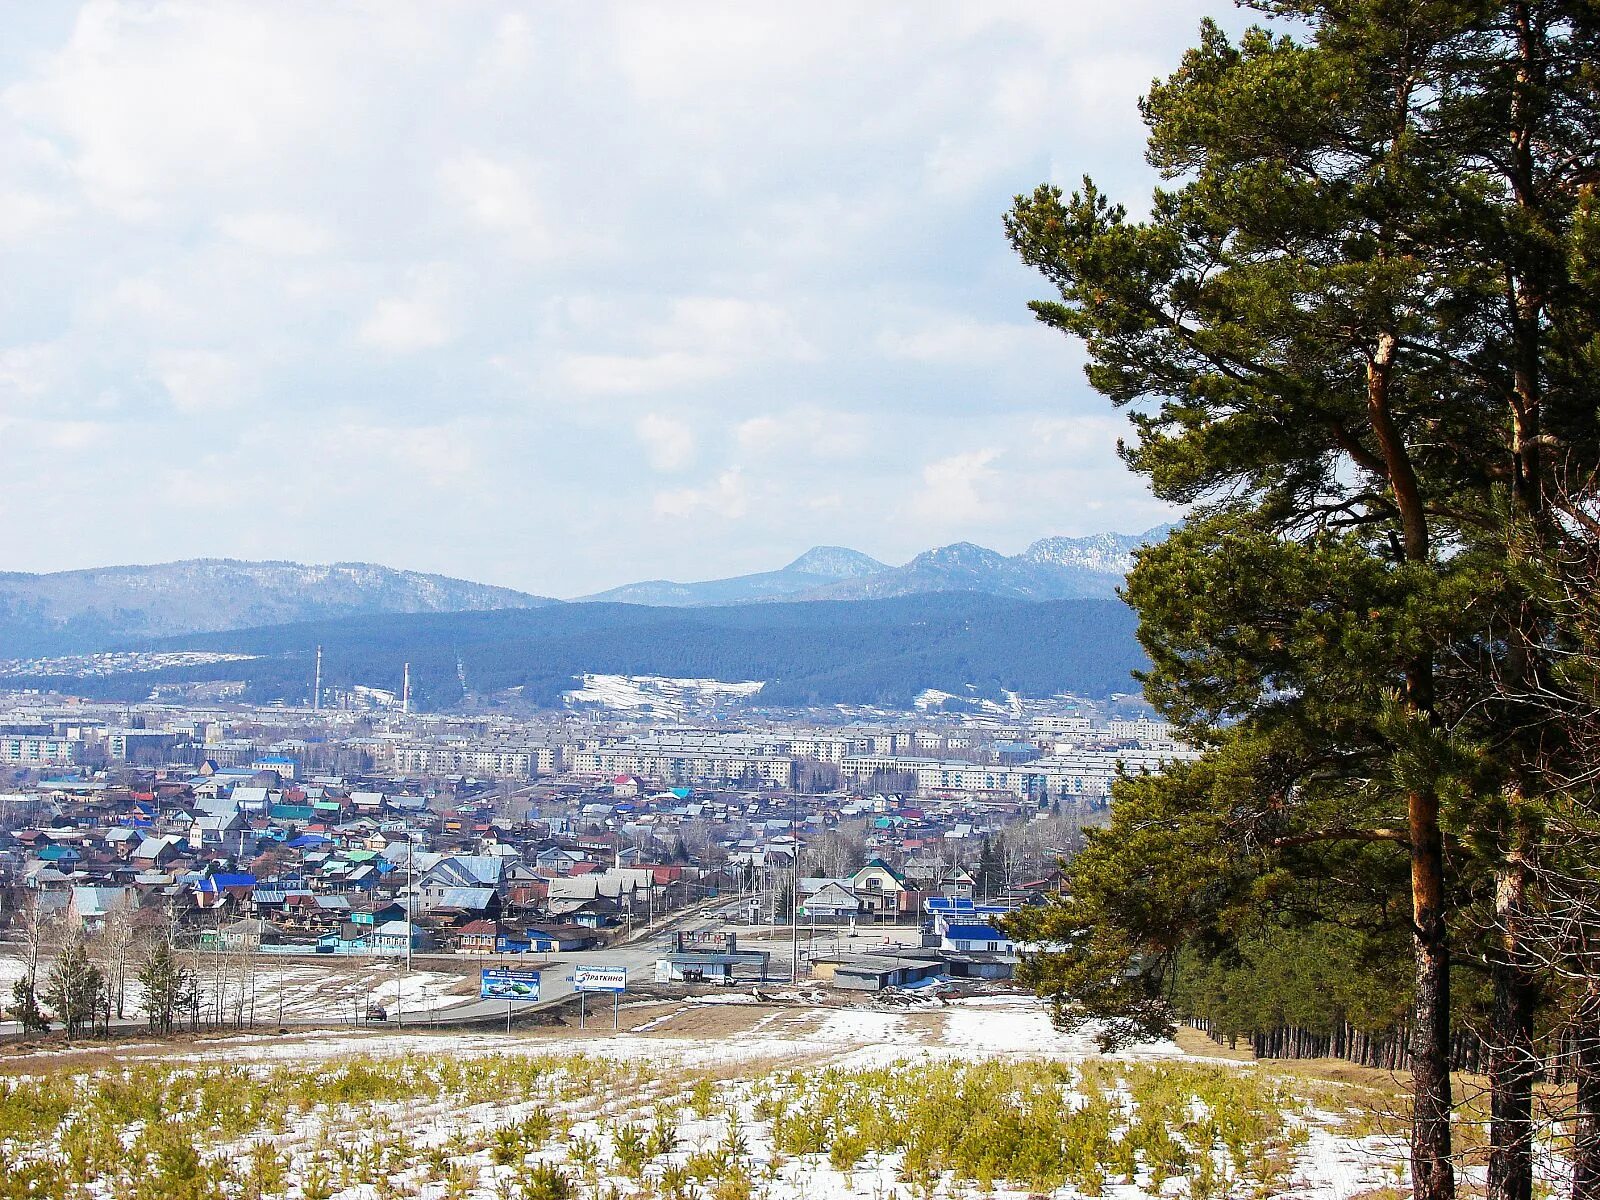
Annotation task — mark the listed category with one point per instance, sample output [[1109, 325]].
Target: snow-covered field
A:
[[703, 1100], [274, 990], [658, 696]]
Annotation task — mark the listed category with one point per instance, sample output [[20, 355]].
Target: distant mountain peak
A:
[[959, 554], [836, 562], [1050, 569], [1108, 552]]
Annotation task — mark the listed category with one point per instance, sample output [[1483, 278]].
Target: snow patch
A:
[[658, 695]]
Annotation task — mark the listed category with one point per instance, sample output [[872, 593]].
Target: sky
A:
[[553, 296]]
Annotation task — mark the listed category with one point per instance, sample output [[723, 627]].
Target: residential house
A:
[[829, 902], [879, 888]]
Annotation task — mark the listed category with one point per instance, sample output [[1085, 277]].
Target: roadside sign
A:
[[600, 979], [508, 983]]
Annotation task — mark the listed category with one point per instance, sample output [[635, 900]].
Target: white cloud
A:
[[276, 233], [668, 443], [802, 432], [200, 383], [698, 339], [405, 325], [961, 341], [449, 244], [954, 489], [1085, 437], [25, 214], [619, 374], [726, 496], [157, 99], [498, 197], [30, 372]]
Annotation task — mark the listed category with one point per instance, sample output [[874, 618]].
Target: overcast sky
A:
[[550, 296]]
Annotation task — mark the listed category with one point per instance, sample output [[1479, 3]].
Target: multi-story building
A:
[[685, 762], [462, 758], [828, 747], [33, 750], [1142, 730], [1076, 774]]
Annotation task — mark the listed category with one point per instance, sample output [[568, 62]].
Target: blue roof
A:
[[225, 879], [305, 840], [975, 933]]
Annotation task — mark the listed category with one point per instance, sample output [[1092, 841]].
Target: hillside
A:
[[71, 611], [860, 652]]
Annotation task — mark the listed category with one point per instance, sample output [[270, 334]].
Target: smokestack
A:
[[405, 691], [316, 690]]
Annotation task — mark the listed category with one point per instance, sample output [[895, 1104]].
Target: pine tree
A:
[[25, 1010], [75, 987], [167, 985], [1355, 341]]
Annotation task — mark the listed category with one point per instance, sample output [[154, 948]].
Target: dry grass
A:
[[1327, 1070]]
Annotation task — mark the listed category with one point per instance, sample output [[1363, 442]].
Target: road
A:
[[555, 987], [555, 971]]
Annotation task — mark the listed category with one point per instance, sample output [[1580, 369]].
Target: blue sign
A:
[[508, 983]]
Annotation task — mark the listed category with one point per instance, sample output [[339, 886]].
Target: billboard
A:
[[600, 979], [702, 941], [508, 983]]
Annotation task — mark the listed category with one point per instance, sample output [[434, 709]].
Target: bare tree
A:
[[113, 948], [1554, 928], [37, 930]]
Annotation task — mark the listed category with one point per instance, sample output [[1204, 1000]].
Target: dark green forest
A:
[[818, 652]]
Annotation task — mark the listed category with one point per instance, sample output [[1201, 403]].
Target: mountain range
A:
[[1057, 568], [123, 607], [67, 612], [816, 570]]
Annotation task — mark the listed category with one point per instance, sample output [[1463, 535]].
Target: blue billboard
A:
[[508, 983]]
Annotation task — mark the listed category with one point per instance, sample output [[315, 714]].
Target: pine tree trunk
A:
[[1512, 1062], [1432, 1176]]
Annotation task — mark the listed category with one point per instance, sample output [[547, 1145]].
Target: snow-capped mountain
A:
[[66, 611], [1108, 552], [1057, 568], [836, 562]]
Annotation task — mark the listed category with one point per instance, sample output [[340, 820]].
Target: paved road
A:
[[555, 971], [638, 956]]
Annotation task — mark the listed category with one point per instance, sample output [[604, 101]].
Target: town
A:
[[860, 856]]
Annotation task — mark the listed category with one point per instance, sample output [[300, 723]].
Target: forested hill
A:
[[817, 652]]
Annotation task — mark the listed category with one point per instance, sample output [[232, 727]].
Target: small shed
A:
[[708, 966]]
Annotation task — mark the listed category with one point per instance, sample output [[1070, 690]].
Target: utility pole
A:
[[399, 998], [794, 919]]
